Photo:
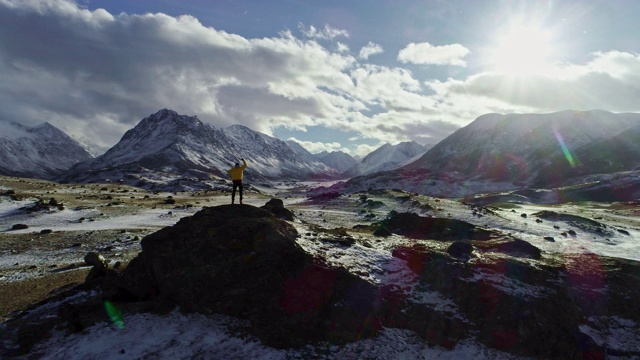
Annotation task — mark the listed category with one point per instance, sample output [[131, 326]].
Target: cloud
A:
[[327, 33], [317, 147], [427, 54], [389, 88], [369, 50], [342, 48], [609, 80], [363, 150], [96, 74], [62, 62]]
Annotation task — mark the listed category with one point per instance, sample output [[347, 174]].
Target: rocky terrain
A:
[[375, 274]]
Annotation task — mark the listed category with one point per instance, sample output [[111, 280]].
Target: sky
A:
[[331, 74]]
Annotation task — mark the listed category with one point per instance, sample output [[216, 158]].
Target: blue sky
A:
[[333, 75]]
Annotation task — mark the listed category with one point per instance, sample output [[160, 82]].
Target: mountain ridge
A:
[[41, 151], [386, 157], [166, 149], [508, 152]]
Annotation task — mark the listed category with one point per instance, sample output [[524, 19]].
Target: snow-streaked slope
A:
[[170, 148], [338, 160], [386, 157], [507, 152], [42, 151], [194, 336], [515, 147], [273, 158]]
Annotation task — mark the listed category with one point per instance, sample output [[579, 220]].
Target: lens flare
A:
[[565, 149], [114, 314]]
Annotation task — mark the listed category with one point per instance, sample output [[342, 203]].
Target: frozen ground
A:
[[179, 336]]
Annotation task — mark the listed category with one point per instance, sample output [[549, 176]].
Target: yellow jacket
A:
[[236, 172]]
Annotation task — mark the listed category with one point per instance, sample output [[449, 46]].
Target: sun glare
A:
[[522, 50]]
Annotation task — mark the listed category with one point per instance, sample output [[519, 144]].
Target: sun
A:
[[522, 50]]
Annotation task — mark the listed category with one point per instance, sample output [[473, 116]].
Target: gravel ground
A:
[[19, 295]]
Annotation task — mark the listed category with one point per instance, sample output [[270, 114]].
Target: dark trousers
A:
[[237, 184]]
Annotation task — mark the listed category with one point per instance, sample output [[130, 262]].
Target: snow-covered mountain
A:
[[618, 154], [180, 151], [338, 160], [41, 151], [516, 147], [387, 157], [92, 148], [504, 152], [301, 151]]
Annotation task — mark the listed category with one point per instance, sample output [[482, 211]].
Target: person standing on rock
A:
[[236, 177]]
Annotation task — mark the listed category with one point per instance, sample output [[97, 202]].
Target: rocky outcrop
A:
[[276, 207], [514, 307], [415, 226], [243, 261]]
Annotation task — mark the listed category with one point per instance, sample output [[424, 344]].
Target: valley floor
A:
[[47, 255]]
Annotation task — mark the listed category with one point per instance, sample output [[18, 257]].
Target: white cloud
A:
[[427, 54], [363, 150], [100, 74], [327, 33], [369, 50], [610, 81], [390, 88], [342, 48], [317, 147], [89, 66]]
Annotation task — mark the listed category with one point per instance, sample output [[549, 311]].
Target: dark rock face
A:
[[415, 226], [541, 322], [460, 249], [242, 261], [512, 247], [276, 206]]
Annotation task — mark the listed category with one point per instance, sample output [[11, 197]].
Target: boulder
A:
[[523, 323], [460, 250], [415, 226], [245, 262], [93, 258], [100, 269], [276, 207], [513, 247]]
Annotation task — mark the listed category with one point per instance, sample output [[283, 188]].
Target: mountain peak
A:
[[166, 145], [167, 115], [42, 151], [387, 157], [163, 113]]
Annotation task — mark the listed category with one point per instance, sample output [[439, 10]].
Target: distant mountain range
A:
[[493, 153], [171, 151], [41, 151], [387, 157], [532, 149], [168, 150], [178, 151], [338, 160], [509, 152]]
